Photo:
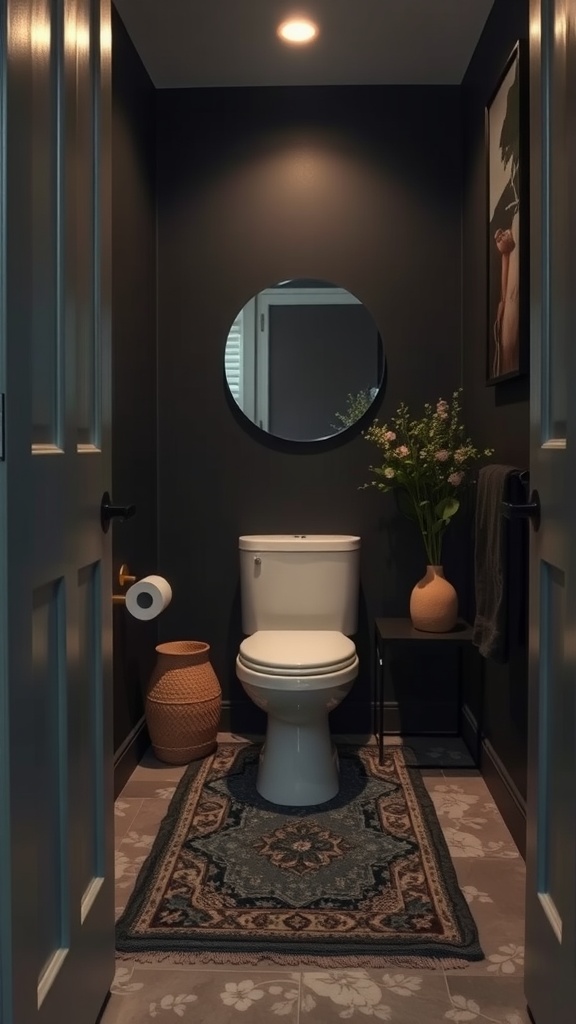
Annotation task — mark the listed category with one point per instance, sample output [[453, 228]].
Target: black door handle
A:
[[109, 511], [527, 510]]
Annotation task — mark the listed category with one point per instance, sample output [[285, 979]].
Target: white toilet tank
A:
[[299, 581]]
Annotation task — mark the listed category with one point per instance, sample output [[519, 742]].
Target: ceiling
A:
[[186, 43]]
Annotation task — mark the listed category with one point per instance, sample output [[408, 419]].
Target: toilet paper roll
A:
[[147, 598]]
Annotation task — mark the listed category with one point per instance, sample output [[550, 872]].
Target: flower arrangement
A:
[[426, 461]]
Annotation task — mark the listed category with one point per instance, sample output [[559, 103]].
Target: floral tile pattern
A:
[[491, 875], [219, 996], [493, 1000], [134, 839], [141, 993], [150, 775], [125, 810], [384, 995], [470, 820]]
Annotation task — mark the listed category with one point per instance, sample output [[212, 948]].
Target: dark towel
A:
[[490, 563]]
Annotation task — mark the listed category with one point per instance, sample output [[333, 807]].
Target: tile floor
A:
[[491, 874]]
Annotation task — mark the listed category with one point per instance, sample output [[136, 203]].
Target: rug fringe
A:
[[348, 961]]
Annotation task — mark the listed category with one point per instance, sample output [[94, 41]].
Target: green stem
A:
[[424, 521], [428, 534], [415, 499], [425, 514]]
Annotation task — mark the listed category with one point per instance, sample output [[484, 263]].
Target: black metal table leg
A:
[[380, 669]]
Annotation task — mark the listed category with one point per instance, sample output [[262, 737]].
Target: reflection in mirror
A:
[[304, 360]]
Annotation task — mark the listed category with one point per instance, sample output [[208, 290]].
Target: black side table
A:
[[390, 631]]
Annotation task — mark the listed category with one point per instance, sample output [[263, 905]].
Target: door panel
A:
[[50, 741], [551, 838], [45, 144], [57, 940], [550, 868], [86, 279], [88, 740]]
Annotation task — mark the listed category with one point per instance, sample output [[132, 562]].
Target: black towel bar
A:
[[523, 510]]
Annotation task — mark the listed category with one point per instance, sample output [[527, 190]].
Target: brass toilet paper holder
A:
[[125, 579]]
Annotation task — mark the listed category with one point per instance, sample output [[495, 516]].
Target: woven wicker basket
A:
[[183, 702]]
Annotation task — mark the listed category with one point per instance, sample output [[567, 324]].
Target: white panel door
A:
[[56, 794], [551, 846]]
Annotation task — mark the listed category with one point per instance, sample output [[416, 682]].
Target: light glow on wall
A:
[[298, 31]]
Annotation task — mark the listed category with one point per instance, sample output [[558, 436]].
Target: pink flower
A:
[[403, 451], [442, 406], [455, 479], [389, 435], [442, 455]]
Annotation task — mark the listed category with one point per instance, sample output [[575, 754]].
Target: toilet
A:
[[299, 597]]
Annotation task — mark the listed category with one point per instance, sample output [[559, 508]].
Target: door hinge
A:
[[2, 453], [261, 321]]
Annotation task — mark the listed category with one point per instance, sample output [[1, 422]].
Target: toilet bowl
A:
[[297, 677], [297, 662]]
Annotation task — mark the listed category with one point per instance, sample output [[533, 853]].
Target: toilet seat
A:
[[301, 653]]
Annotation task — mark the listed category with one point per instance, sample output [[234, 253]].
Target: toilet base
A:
[[298, 764]]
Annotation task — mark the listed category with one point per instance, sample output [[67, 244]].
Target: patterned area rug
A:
[[363, 880]]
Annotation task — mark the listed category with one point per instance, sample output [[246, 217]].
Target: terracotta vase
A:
[[183, 702], [434, 602]]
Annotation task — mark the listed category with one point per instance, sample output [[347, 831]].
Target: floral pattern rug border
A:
[[363, 880]]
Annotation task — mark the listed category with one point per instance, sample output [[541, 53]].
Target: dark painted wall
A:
[[360, 186], [134, 370], [496, 416]]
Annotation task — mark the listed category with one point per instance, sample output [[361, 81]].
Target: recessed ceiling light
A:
[[297, 30]]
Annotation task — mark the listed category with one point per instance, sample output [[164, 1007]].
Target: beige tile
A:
[[470, 820], [200, 995], [217, 995], [431, 777], [500, 1000], [125, 810], [407, 997], [149, 787], [493, 884], [127, 864], [145, 824], [134, 845], [150, 768], [495, 893], [152, 774]]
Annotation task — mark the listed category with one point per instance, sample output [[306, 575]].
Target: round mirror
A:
[[304, 360]]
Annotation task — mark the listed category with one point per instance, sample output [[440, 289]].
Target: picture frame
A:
[[507, 222]]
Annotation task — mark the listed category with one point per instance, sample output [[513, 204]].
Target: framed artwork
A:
[[507, 223]]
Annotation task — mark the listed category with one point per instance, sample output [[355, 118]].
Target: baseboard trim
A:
[[507, 796], [129, 755], [224, 724], [469, 726]]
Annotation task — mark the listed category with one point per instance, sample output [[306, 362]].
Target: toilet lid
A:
[[297, 652]]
